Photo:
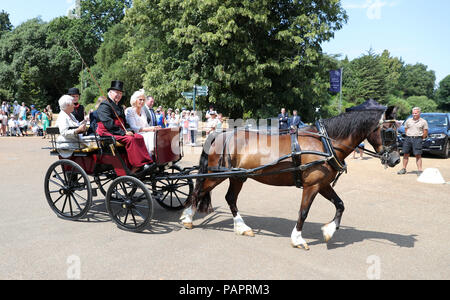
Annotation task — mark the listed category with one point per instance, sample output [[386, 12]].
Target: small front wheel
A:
[[129, 203]]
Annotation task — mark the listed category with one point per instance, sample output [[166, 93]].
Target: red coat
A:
[[137, 153]]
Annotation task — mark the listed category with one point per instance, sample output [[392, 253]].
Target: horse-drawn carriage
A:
[[311, 158], [99, 164]]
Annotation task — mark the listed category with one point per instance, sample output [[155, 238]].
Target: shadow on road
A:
[[280, 227], [165, 221]]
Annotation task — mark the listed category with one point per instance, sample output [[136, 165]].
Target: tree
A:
[[404, 107], [443, 94], [5, 24], [365, 78], [393, 67], [416, 80], [103, 14], [37, 63], [255, 56], [425, 104]]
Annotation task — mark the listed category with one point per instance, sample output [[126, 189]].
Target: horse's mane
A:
[[353, 123]]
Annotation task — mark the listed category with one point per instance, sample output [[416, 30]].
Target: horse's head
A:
[[384, 139]]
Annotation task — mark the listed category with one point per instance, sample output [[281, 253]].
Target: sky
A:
[[418, 31]]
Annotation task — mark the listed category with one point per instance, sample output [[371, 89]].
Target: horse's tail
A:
[[200, 199]]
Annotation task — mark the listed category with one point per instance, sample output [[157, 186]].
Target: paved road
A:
[[393, 228]]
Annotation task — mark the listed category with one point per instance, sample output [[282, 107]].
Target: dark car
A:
[[438, 141]]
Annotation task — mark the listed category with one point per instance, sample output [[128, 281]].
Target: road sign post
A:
[[199, 90]]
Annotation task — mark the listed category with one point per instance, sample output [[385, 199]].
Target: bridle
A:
[[388, 141]]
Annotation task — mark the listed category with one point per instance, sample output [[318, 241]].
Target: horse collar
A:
[[329, 149]]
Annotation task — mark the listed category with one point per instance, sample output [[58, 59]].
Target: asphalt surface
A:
[[393, 228]]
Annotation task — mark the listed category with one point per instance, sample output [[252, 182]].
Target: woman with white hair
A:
[[70, 130], [137, 119]]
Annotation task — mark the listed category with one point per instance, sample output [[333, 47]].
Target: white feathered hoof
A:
[[241, 228], [297, 240], [328, 231], [186, 218]]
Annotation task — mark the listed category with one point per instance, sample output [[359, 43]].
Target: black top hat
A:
[[73, 91], [116, 85]]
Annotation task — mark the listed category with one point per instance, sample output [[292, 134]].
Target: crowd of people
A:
[[21, 120]]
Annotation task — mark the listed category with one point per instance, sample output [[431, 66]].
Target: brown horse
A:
[[238, 150]]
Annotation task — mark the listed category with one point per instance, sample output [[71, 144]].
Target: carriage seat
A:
[[92, 143]]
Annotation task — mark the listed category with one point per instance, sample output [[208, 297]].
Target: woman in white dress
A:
[[137, 119]]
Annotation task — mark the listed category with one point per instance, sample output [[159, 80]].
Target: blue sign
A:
[[335, 81]]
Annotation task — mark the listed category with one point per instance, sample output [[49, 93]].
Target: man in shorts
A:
[[416, 129]]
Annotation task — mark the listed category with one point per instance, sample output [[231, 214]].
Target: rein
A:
[[368, 152]]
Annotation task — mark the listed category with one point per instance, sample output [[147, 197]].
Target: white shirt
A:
[[13, 123], [212, 124], [136, 122], [193, 122], [67, 138], [172, 122]]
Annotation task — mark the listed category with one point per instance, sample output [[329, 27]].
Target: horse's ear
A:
[[391, 113]]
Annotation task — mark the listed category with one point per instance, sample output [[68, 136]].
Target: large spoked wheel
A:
[[172, 194], [129, 203], [68, 190]]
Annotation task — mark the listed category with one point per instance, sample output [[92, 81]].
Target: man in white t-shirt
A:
[[416, 130]]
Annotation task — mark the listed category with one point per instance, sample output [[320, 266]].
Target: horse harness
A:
[[332, 159], [295, 155]]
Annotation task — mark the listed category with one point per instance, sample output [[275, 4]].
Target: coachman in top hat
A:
[[78, 110], [112, 122]]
